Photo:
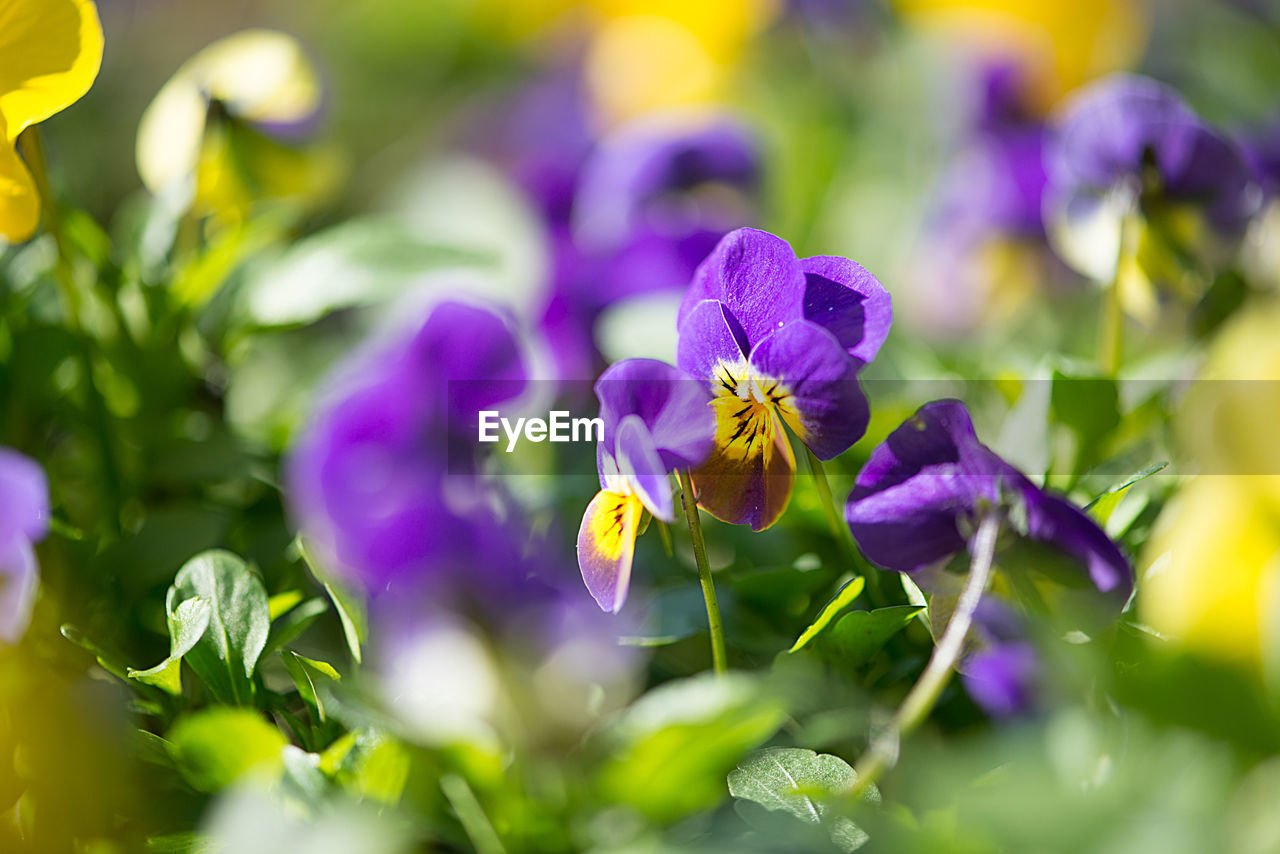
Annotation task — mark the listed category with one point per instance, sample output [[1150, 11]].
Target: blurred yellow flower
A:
[[651, 54], [1213, 566], [50, 52], [201, 139], [1060, 43], [1214, 557]]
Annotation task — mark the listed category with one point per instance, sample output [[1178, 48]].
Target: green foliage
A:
[[187, 624], [844, 598], [218, 746], [226, 654]]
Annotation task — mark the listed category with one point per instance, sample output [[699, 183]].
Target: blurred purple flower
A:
[[24, 521], [368, 479], [656, 419], [920, 495], [1130, 145], [778, 339], [632, 213], [1002, 673]]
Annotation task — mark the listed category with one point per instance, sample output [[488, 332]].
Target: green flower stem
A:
[[1111, 319], [718, 656], [841, 532], [64, 275], [882, 754]]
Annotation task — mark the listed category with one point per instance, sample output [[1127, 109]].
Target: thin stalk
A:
[[841, 531], [882, 754], [471, 815], [64, 275], [718, 657], [1111, 318]]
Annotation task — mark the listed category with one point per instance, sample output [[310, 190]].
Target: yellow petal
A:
[[51, 52], [259, 75], [19, 204], [606, 544]]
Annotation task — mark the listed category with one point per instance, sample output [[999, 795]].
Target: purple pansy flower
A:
[[656, 420], [368, 479], [24, 521], [778, 339], [920, 495], [1002, 674], [1128, 145]]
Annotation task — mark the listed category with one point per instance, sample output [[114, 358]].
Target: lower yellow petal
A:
[[606, 545], [748, 479], [19, 203]]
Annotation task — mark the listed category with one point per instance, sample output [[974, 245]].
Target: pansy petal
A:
[[19, 579], [24, 497], [758, 278], [639, 463], [816, 388], [850, 302], [1060, 523], [709, 337], [1001, 679], [606, 545], [673, 406], [910, 524], [749, 477], [19, 204], [52, 50]]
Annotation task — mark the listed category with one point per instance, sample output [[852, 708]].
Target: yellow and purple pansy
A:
[[779, 340], [656, 420]]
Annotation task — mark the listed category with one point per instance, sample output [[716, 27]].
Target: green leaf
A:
[[1105, 504], [369, 764], [803, 784], [672, 748], [187, 624], [1089, 407], [215, 747], [363, 262], [306, 672], [106, 660], [844, 598], [226, 655], [294, 623], [349, 605], [282, 603], [859, 635]]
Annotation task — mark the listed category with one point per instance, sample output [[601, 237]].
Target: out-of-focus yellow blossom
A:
[[1214, 559], [50, 52], [204, 140], [1060, 43], [1213, 564], [651, 54]]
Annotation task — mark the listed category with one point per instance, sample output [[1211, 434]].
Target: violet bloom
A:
[[368, 479], [1130, 147], [656, 420], [1002, 673], [778, 339], [921, 494], [24, 521]]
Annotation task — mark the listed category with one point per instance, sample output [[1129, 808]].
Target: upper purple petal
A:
[[850, 302], [758, 278], [816, 389], [670, 403], [708, 336]]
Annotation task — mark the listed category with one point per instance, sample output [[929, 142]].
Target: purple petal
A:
[[1002, 679], [19, 579], [1056, 521], [850, 302], [758, 278], [606, 545], [709, 337], [24, 497], [671, 404], [638, 462], [815, 386]]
